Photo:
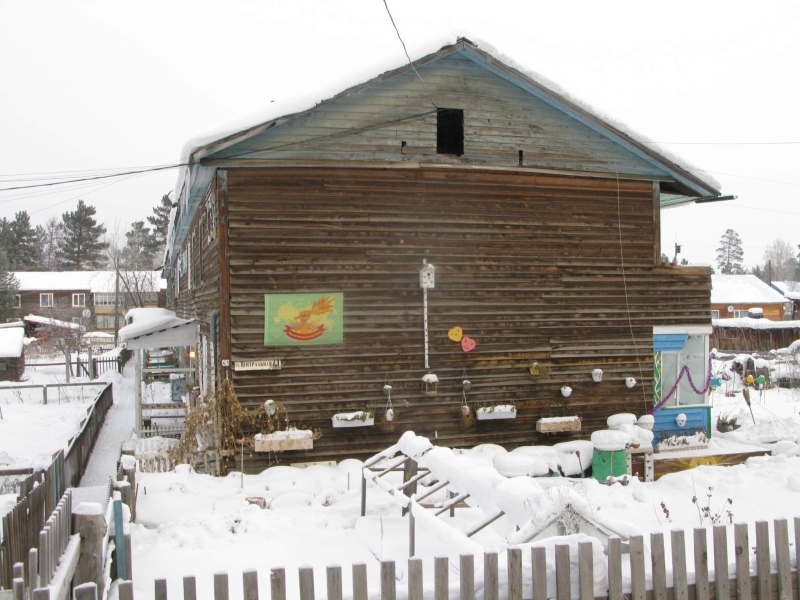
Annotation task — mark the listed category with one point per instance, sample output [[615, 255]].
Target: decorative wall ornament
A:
[[597, 375], [303, 319], [630, 382], [430, 383], [467, 344], [426, 282], [455, 334], [498, 411], [566, 391], [538, 369]]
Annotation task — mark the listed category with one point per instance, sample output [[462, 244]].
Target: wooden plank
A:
[[84, 591], [721, 582], [224, 281], [742, 551], [701, 585], [514, 559], [189, 588], [415, 579], [467, 577], [763, 560], [614, 567], [388, 581], [306, 575], [658, 562], [797, 548], [441, 578], [334, 582], [277, 584], [563, 583], [490, 576], [637, 567], [782, 558], [125, 590], [539, 573], [250, 585], [585, 571], [160, 589], [359, 581], [679, 579], [220, 586]]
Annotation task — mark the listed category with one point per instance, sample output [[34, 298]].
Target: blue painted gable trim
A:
[[669, 342]]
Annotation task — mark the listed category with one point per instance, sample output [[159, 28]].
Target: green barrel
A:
[[608, 463]]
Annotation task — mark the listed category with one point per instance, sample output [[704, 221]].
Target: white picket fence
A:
[[645, 583]]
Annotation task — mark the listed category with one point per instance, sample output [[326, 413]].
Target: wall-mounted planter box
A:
[[279, 441], [359, 418], [558, 424], [490, 413]]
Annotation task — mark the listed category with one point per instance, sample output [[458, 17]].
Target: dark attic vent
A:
[[450, 131]]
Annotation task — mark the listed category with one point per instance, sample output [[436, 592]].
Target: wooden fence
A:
[[80, 447], [762, 584], [41, 491]]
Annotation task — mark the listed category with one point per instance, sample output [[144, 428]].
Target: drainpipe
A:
[[213, 326]]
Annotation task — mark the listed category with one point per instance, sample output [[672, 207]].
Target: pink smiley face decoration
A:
[[467, 344]]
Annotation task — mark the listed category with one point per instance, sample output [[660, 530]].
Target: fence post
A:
[[490, 580], [44, 394], [220, 586], [33, 571], [441, 581], [638, 591], [88, 521], [659, 567], [701, 588], [161, 589], [126, 590], [360, 581], [742, 550], [189, 588], [277, 584], [85, 591], [514, 559], [18, 588], [119, 541], [614, 568], [388, 582], [763, 560], [415, 578], [334, 582], [782, 558], [721, 584], [679, 581], [306, 583], [92, 365], [467, 568], [585, 571], [539, 573], [563, 583]]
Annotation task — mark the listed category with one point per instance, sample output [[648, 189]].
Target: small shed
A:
[[735, 296], [12, 357]]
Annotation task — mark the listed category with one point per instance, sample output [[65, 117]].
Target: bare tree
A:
[[779, 260]]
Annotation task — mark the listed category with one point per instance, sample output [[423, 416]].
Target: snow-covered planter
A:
[[278, 441], [558, 424], [500, 411], [696, 441], [359, 418]]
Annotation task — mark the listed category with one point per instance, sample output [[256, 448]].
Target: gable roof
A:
[[742, 289], [689, 183], [83, 281]]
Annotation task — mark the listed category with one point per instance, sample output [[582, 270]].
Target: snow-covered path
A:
[[116, 429]]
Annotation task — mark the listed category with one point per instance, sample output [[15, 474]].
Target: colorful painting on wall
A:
[[303, 319]]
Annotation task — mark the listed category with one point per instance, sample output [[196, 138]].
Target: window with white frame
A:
[[106, 321], [715, 314], [739, 314], [104, 299], [78, 300], [17, 301], [46, 300]]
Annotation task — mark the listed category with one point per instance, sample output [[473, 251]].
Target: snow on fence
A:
[[80, 447], [559, 573]]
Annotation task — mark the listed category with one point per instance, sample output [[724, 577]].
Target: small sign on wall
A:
[[273, 364], [303, 319]]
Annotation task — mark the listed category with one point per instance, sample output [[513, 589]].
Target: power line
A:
[[727, 143], [406, 51], [135, 172]]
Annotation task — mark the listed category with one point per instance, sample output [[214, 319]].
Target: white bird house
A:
[[430, 383], [427, 276]]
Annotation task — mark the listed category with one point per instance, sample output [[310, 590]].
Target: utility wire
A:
[[406, 51], [112, 175], [727, 143]]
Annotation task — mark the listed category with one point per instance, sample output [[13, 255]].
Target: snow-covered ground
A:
[[192, 524]]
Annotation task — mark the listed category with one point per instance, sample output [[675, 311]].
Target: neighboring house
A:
[[300, 245], [735, 296], [790, 291], [65, 295]]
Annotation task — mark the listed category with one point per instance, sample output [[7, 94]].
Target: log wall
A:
[[529, 265]]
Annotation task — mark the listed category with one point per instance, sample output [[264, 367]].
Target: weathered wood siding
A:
[[198, 294], [393, 120], [530, 266]]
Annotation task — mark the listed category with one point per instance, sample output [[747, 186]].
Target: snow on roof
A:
[[12, 324], [749, 323], [53, 322], [142, 321], [92, 281], [11, 342], [97, 335], [738, 289]]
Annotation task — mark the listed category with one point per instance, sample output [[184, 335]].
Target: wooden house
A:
[[735, 296], [12, 355], [303, 246]]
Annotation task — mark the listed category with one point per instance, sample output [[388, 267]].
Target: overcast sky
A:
[[88, 86]]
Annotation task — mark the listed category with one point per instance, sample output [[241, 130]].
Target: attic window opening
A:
[[450, 131]]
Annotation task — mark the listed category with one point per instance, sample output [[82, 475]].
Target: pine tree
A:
[[160, 220], [23, 249], [82, 249], [51, 238], [730, 254], [9, 286], [140, 247]]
